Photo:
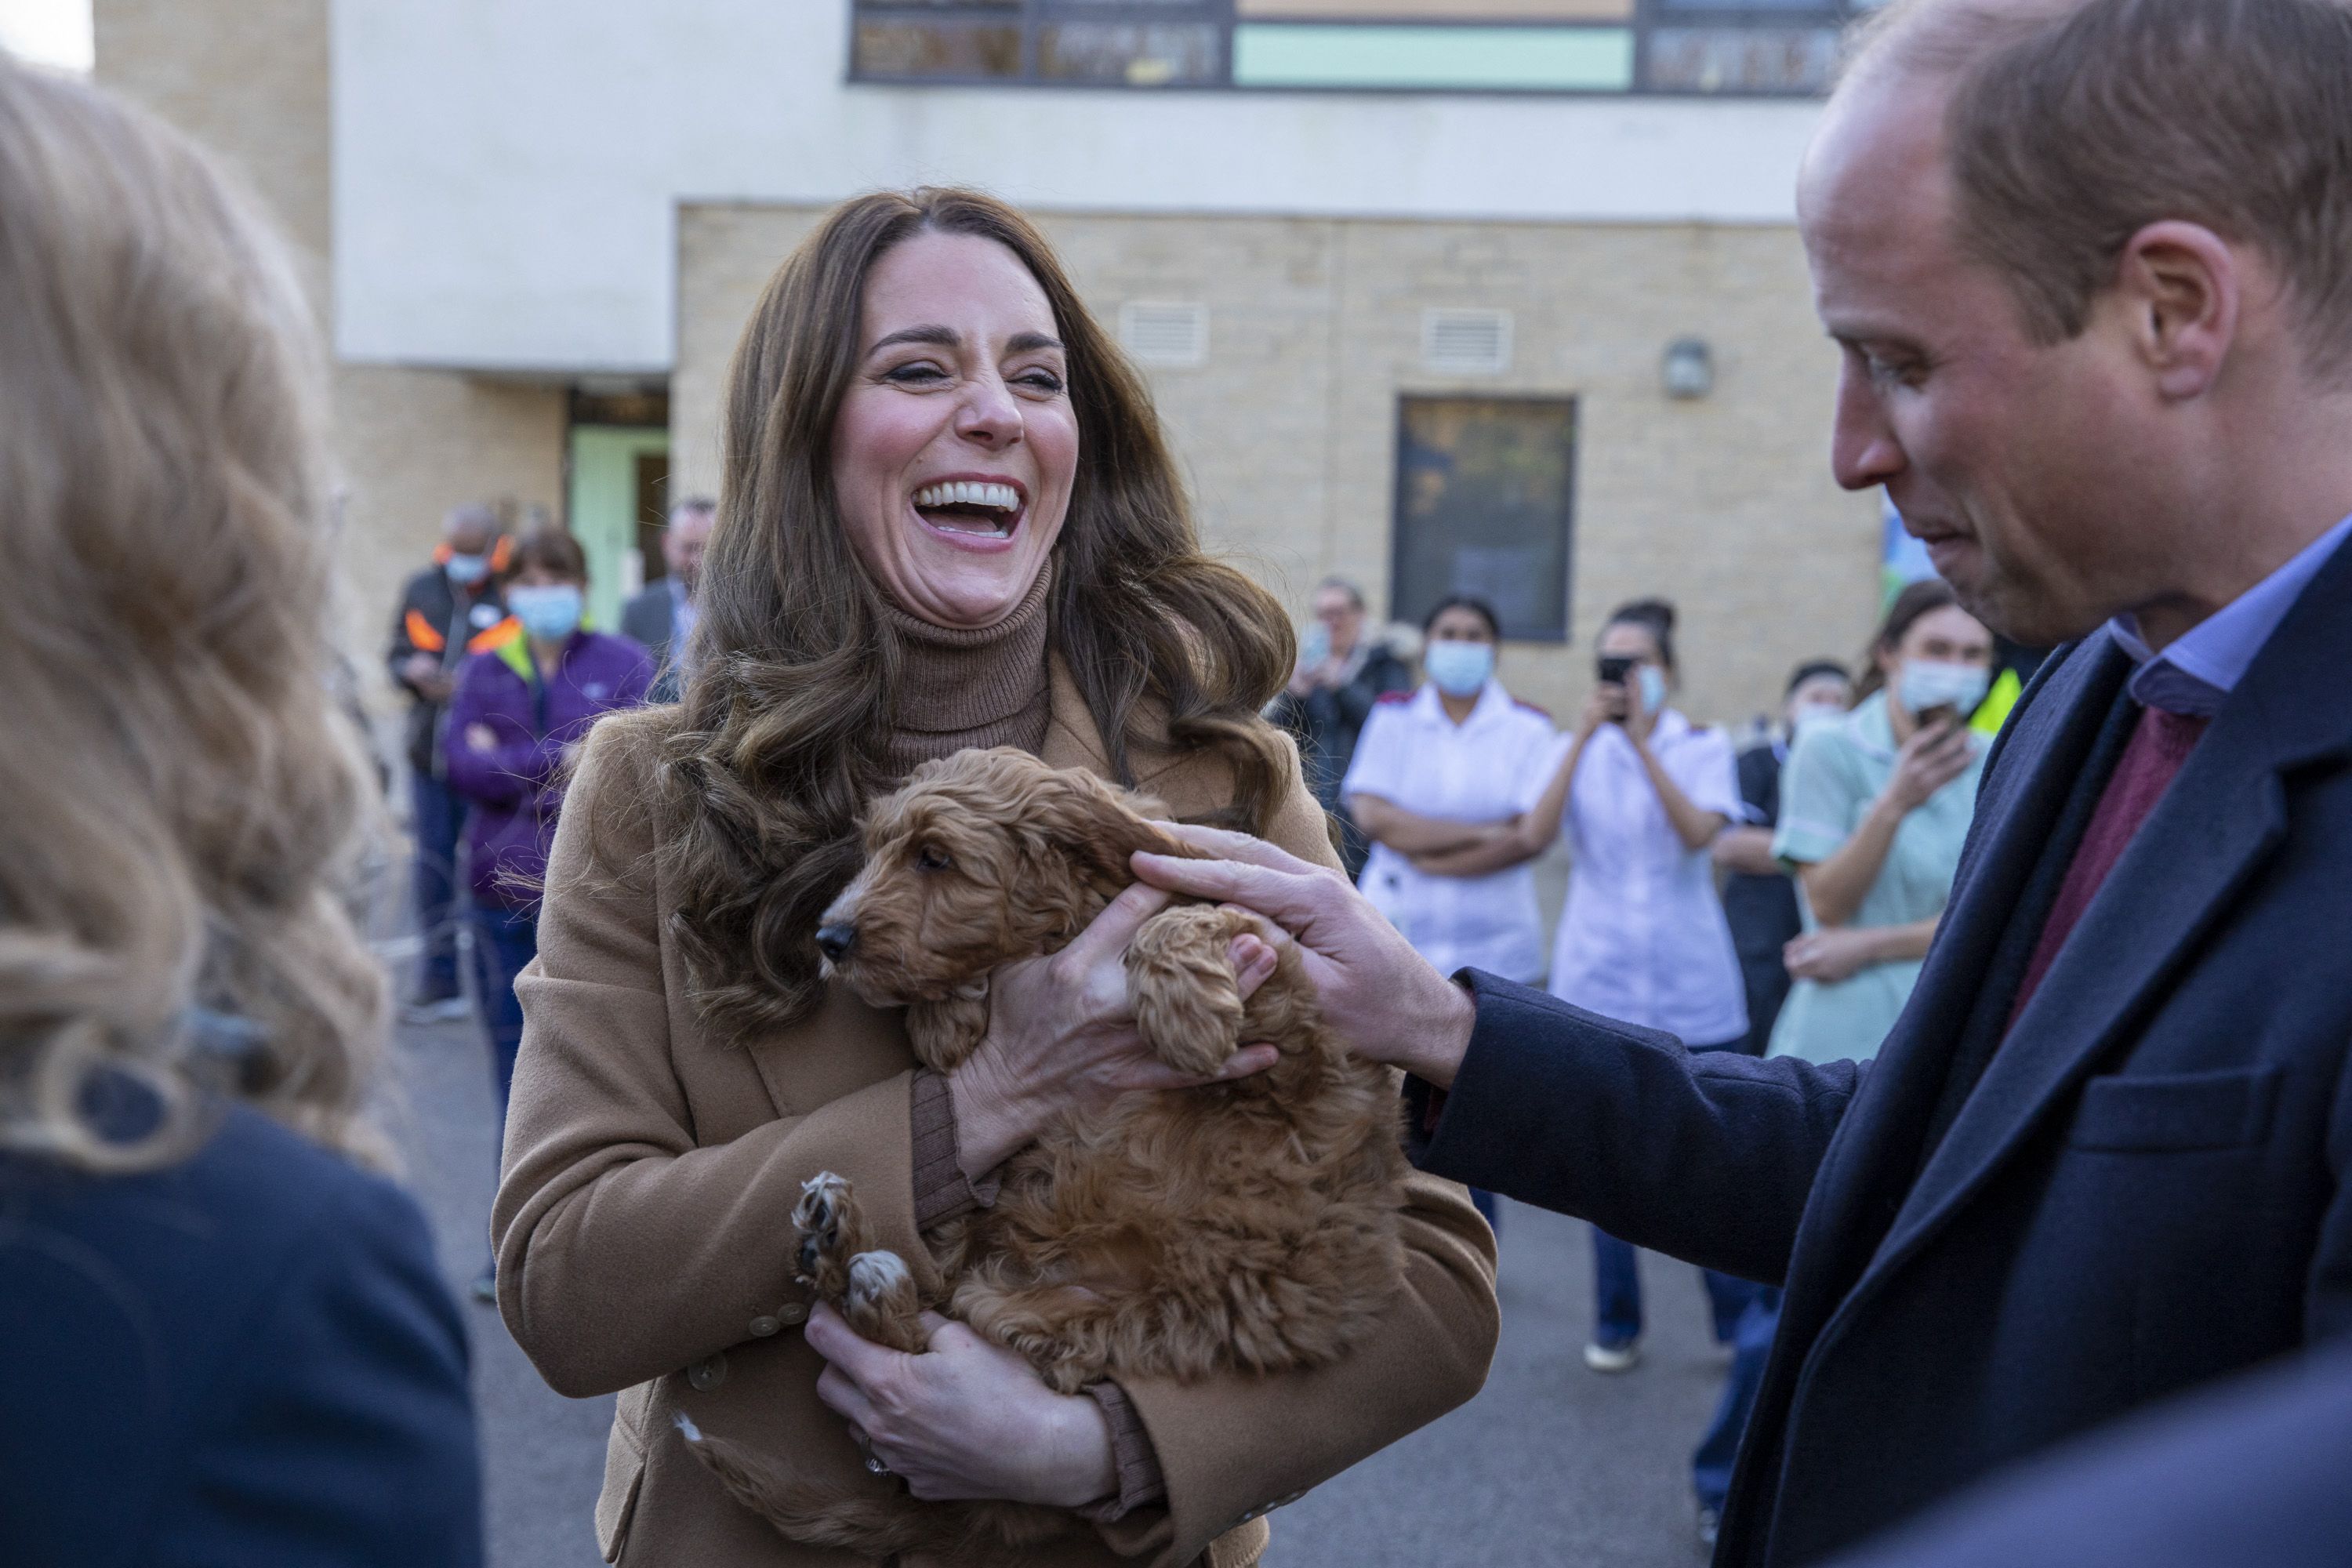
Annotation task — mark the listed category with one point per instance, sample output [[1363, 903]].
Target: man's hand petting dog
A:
[[1382, 996], [1060, 1038], [967, 1419]]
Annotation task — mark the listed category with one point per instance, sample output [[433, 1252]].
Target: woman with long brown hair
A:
[[948, 521], [222, 1340]]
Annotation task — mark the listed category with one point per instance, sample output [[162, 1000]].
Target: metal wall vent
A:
[[1465, 342], [1159, 333]]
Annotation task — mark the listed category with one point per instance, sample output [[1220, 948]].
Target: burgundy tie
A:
[[2160, 743]]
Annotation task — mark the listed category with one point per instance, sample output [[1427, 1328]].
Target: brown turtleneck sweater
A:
[[958, 690], [964, 689]]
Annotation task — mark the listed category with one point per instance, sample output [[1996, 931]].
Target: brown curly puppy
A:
[[1248, 1225]]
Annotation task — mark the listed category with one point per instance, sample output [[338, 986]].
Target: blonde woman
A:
[[221, 1340]]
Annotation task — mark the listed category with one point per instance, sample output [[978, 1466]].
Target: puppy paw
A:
[[881, 1302], [1181, 985], [827, 1219]]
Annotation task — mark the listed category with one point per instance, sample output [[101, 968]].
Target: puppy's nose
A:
[[835, 940]]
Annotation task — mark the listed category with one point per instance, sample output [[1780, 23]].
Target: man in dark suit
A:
[[662, 615], [2090, 267]]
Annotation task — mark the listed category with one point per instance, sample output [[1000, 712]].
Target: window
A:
[[1702, 47], [1485, 490]]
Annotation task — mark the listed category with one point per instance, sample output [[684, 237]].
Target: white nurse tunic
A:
[[1491, 767], [1642, 938]]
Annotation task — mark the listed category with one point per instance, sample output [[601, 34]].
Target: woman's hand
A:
[[1831, 954], [1639, 721], [1603, 707], [1438, 863], [965, 1419], [1933, 757], [1060, 1038], [1380, 996]]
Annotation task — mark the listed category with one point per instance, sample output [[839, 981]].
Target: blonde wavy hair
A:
[[179, 796]]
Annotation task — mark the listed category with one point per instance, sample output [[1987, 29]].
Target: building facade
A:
[[1500, 295]]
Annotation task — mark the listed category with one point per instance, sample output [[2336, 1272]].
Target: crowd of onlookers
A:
[[504, 676], [1774, 898]]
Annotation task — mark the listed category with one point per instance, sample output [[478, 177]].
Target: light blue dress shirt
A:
[[2204, 664]]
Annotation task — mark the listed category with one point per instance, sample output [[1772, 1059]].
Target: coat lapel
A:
[[2216, 826], [2027, 791], [1071, 738]]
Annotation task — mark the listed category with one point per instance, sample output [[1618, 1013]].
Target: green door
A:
[[619, 477]]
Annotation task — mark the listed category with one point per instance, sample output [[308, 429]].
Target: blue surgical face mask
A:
[[1652, 682], [1936, 683], [1460, 668], [1806, 715], [548, 612], [467, 568]]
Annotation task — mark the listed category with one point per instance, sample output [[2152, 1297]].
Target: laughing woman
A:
[[949, 522]]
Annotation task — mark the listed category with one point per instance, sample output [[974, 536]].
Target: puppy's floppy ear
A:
[[1074, 816]]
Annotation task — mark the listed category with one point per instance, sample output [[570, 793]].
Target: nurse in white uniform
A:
[[1438, 772], [1642, 793]]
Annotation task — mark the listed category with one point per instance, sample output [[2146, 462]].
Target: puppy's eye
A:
[[932, 857]]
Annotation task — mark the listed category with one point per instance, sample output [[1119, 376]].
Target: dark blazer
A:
[[249, 1358], [647, 617], [2150, 1186], [2257, 1473]]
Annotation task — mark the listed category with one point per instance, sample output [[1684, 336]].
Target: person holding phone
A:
[[1642, 793], [1873, 810]]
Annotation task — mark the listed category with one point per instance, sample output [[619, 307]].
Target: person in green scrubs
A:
[[1874, 810]]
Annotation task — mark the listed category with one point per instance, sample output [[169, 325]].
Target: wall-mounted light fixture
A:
[[1689, 368]]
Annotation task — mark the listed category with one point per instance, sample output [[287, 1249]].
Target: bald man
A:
[[2090, 270]]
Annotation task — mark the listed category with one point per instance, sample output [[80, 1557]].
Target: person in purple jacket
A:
[[519, 710]]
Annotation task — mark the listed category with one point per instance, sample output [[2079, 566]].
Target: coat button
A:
[[762, 1327], [791, 1314], [709, 1374]]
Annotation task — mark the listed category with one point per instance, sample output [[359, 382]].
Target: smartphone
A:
[[1614, 670], [1941, 713]]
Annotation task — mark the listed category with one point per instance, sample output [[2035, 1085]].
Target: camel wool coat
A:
[[645, 1242]]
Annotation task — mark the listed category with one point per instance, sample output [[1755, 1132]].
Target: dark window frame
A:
[[1573, 405], [1649, 17]]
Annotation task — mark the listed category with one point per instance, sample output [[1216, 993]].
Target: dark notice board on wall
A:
[[1485, 492]]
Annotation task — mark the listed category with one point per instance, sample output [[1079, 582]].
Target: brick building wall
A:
[[249, 79]]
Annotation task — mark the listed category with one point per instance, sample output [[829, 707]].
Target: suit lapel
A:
[[2027, 789], [2217, 825]]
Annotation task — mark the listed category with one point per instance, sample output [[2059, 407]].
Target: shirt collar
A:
[[2197, 673]]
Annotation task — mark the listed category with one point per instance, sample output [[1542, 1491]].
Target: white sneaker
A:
[[1612, 1358], [447, 1010]]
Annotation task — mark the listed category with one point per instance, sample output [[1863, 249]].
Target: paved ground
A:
[[1550, 1465]]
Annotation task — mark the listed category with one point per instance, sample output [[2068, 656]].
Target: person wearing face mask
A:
[[449, 610], [1644, 792], [1343, 671], [520, 709], [1760, 899], [1434, 771], [1874, 811]]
